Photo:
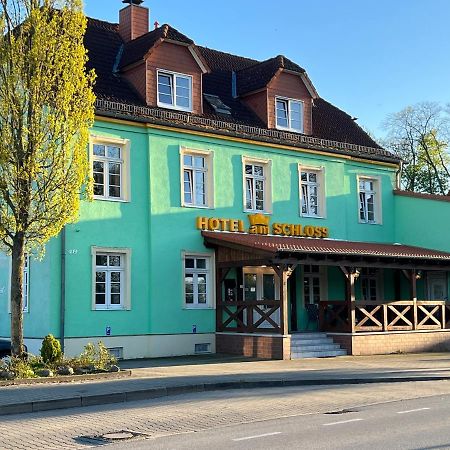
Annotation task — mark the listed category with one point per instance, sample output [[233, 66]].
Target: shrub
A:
[[51, 350], [94, 357], [20, 367]]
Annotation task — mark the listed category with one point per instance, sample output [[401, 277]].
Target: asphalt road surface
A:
[[413, 424]]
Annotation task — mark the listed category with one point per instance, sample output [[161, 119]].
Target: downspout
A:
[[62, 312], [399, 176]]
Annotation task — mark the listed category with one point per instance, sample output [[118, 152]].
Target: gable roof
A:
[[333, 130], [135, 50], [258, 76]]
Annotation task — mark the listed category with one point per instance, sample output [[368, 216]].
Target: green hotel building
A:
[[234, 211]]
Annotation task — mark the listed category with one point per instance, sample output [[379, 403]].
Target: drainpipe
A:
[[62, 312], [399, 176]]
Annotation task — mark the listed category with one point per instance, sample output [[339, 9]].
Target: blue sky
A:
[[368, 57]]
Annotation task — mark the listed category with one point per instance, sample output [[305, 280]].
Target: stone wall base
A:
[[257, 346], [360, 344]]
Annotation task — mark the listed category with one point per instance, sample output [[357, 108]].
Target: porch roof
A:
[[330, 250]]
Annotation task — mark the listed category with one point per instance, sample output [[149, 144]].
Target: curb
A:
[[167, 391]]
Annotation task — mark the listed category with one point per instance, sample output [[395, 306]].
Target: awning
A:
[[330, 251]]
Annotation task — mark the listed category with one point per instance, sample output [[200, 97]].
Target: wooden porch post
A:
[[351, 283], [284, 302], [283, 274], [350, 296], [413, 280], [221, 274], [219, 300]]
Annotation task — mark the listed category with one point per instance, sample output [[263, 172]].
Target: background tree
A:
[[419, 134], [46, 109]]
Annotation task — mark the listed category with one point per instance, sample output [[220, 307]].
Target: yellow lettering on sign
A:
[[213, 224], [202, 223], [259, 224], [223, 224]]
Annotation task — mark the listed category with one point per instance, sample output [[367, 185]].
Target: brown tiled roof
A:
[[136, 49], [280, 244], [438, 197], [332, 123], [107, 53], [104, 43], [259, 75]]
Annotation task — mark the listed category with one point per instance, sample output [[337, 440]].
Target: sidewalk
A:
[[171, 376]]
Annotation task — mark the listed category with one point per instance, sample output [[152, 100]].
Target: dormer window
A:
[[289, 114], [174, 90]]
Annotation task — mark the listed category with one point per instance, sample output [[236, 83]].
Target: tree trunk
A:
[[18, 261]]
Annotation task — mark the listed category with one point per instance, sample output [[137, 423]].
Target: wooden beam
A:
[[291, 269], [344, 270], [413, 281], [219, 311], [351, 281], [281, 272], [243, 263]]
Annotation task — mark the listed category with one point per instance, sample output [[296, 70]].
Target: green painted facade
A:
[[157, 230]]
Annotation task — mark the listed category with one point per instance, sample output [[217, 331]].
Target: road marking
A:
[[412, 410], [343, 421], [257, 436]]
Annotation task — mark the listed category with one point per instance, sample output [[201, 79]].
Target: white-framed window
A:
[[110, 168], [26, 283], [111, 278], [315, 284], [257, 185], [289, 114], [198, 281], [197, 189], [371, 284], [174, 90], [369, 200], [312, 192]]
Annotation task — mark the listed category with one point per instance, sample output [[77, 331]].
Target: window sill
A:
[[107, 199], [291, 130], [175, 108], [252, 211], [197, 206], [310, 216], [110, 309], [198, 308], [370, 223]]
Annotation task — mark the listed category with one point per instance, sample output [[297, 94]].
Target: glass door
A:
[[437, 286], [261, 283]]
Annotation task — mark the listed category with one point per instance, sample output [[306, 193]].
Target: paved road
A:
[[412, 424], [209, 419]]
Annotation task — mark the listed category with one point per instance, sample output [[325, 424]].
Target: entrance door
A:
[[437, 286], [314, 290], [261, 283]]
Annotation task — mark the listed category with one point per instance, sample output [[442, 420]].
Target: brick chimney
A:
[[133, 20]]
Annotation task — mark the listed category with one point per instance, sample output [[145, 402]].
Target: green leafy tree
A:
[[419, 134], [46, 109]]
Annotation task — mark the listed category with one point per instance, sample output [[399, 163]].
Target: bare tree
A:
[[420, 135]]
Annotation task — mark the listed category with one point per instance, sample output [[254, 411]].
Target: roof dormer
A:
[[279, 92], [166, 68]]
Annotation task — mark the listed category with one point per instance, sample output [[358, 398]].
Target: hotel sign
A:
[[260, 224]]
